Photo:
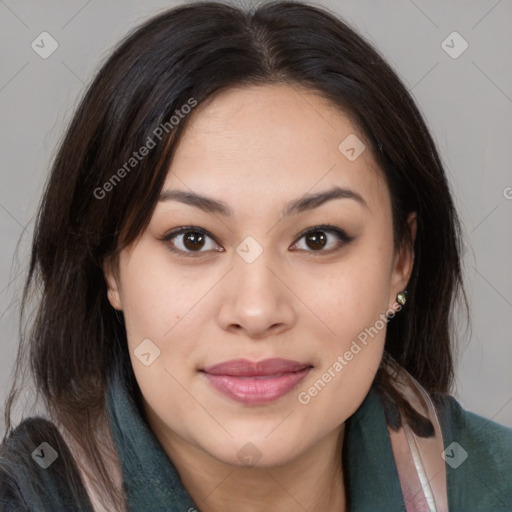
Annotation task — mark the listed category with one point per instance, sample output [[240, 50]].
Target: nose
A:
[[256, 298]]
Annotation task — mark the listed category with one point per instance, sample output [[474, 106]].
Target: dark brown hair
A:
[[194, 51]]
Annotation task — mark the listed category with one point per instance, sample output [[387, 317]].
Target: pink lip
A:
[[256, 383]]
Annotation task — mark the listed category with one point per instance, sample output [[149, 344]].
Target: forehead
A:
[[274, 141]]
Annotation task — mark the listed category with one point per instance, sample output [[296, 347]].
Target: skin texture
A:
[[257, 148]]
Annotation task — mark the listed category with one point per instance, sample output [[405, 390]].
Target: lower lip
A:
[[251, 390]]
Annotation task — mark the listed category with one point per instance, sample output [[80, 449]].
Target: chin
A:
[[255, 452]]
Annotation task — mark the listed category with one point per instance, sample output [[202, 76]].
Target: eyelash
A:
[[344, 239]]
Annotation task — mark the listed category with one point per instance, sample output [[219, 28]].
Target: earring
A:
[[402, 297]]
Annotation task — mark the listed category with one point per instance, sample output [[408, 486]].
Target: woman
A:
[[248, 256]]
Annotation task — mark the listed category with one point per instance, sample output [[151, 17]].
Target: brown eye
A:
[[193, 240], [323, 239], [316, 240], [190, 241]]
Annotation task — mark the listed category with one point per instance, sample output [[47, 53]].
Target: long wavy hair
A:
[[75, 340]]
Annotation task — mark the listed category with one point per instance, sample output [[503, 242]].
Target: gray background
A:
[[467, 102]]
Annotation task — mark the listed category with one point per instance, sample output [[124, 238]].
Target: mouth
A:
[[260, 382]]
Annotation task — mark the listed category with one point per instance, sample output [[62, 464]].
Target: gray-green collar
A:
[[151, 481]]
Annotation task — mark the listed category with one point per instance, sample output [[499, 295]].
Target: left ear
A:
[[403, 262]]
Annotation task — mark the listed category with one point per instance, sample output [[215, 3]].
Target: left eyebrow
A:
[[311, 201], [302, 204]]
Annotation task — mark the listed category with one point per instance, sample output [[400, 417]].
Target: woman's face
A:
[[255, 280]]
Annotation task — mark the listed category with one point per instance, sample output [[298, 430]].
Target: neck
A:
[[311, 481]]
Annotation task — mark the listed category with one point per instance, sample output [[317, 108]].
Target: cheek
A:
[[355, 293], [162, 305], [157, 298], [349, 362], [353, 307]]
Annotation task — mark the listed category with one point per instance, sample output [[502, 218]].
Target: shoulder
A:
[[483, 436], [37, 470], [478, 456]]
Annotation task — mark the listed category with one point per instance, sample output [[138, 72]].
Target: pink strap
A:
[[421, 468]]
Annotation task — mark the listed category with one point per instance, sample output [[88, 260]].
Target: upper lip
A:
[[246, 368]]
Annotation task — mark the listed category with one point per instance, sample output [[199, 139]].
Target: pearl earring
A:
[[402, 297]]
